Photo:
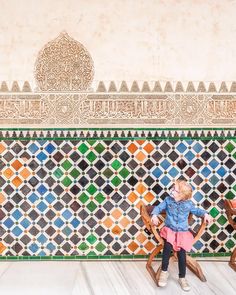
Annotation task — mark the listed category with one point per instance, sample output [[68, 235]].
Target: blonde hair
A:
[[185, 189]]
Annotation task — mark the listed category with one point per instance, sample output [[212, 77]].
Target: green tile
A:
[[74, 173], [230, 195], [100, 198], [116, 181], [100, 247], [66, 181], [229, 147], [124, 172], [214, 212], [91, 239], [66, 165], [83, 246], [116, 164], [83, 148], [222, 220], [91, 206], [58, 173], [99, 148], [214, 228], [230, 244], [83, 198], [91, 156], [108, 173], [91, 189]]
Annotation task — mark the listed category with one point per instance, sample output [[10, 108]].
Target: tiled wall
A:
[[78, 192]]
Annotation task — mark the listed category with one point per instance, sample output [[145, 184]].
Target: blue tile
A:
[[42, 206], [165, 164], [157, 172], [8, 222], [33, 198], [42, 189], [75, 222], [42, 239], [34, 247], [50, 198], [50, 148], [33, 148], [67, 214], [42, 156], [181, 147], [17, 214], [59, 222], [25, 223], [17, 231]]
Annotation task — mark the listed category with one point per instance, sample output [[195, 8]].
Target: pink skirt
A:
[[181, 239]]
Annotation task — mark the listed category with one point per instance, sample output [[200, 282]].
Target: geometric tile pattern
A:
[[82, 196]]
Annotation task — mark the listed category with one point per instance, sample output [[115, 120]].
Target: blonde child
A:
[[175, 233]]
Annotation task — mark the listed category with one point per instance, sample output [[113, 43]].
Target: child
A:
[[175, 233]]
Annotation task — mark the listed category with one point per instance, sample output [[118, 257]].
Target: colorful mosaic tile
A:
[[78, 196]]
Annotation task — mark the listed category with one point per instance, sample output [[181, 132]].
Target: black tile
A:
[[58, 157], [132, 181], [58, 190], [83, 181], [83, 165], [75, 206], [99, 214], [99, 164], [33, 165], [75, 156], [124, 156], [108, 189], [116, 197]]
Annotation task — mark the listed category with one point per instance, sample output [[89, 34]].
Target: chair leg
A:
[[194, 266], [149, 262], [232, 262]]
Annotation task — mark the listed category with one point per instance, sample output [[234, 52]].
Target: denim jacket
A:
[[177, 213]]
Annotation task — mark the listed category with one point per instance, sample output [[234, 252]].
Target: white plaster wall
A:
[[128, 39]]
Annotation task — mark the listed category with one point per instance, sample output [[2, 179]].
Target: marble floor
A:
[[107, 277]]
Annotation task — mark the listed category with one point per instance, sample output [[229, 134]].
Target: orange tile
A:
[[141, 238], [149, 197], [132, 197], [17, 181], [141, 252], [25, 173], [2, 198], [149, 246], [139, 204], [2, 247], [141, 188], [8, 173], [2, 148], [133, 246], [132, 148], [116, 214], [149, 148], [124, 222], [140, 142], [116, 230], [108, 222], [140, 156], [16, 165]]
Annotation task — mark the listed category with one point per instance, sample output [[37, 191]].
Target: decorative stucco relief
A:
[[65, 96]]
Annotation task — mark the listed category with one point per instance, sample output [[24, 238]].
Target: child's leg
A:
[[182, 263], [166, 255]]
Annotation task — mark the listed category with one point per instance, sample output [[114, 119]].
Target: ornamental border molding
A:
[[67, 96]]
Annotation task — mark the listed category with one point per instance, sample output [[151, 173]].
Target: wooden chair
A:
[[191, 263], [230, 207]]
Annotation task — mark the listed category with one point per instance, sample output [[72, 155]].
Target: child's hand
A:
[[208, 218], [155, 220]]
